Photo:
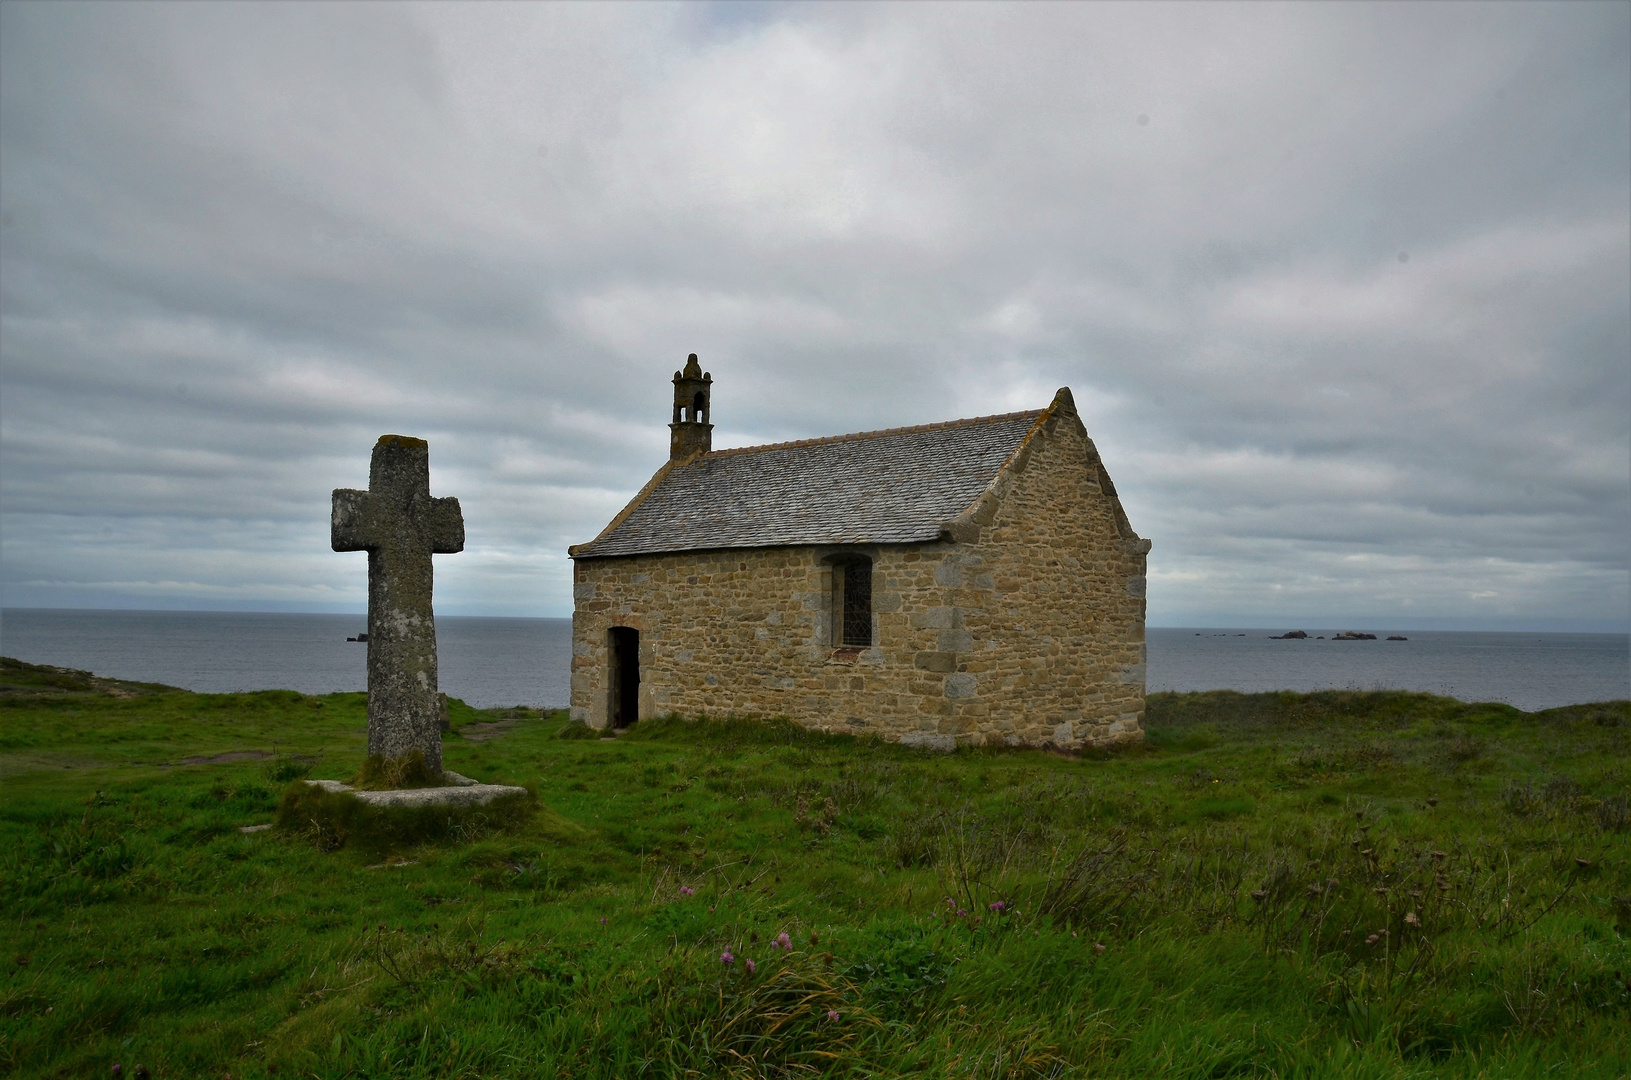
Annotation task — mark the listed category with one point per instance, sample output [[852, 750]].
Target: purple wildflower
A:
[[603, 920], [726, 957], [750, 965], [832, 1014], [961, 913], [998, 905], [686, 890], [783, 941]]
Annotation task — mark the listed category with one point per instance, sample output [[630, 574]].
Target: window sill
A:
[[849, 655]]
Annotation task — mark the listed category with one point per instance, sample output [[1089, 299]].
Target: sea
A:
[[496, 662]]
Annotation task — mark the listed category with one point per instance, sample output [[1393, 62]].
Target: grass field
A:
[[1334, 884]]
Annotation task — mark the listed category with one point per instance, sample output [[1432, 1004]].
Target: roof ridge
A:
[[881, 433]]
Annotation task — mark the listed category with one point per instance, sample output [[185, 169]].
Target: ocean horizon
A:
[[494, 662]]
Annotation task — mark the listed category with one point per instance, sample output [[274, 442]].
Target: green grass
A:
[[1335, 884]]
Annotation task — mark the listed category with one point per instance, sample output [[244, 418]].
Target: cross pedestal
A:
[[400, 526]]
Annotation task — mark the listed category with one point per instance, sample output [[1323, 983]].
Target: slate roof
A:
[[877, 487]]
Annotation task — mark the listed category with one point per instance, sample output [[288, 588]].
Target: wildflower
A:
[[750, 965], [1372, 940], [726, 957], [998, 905], [686, 890], [813, 939], [1411, 919], [784, 942], [961, 913], [832, 1014], [1098, 947], [603, 920]]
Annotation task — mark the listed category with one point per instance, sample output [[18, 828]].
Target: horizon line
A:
[[1542, 624]]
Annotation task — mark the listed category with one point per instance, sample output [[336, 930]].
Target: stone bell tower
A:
[[690, 432]]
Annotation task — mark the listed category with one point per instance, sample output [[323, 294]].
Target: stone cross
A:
[[400, 526]]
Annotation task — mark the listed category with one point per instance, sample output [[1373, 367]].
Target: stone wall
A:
[[1025, 625]]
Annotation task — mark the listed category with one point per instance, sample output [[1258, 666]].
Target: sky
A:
[[1343, 292]]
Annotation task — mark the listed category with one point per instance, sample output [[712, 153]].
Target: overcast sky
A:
[[1343, 292]]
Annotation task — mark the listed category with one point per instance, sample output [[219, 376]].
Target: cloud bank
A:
[[1343, 291]]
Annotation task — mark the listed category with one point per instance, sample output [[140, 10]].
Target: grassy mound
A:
[[1338, 884], [332, 820]]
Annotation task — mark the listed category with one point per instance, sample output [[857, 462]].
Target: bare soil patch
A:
[[484, 730], [227, 758]]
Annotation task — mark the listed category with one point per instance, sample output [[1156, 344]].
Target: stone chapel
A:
[[972, 582]]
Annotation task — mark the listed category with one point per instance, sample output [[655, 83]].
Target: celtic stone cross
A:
[[400, 526]]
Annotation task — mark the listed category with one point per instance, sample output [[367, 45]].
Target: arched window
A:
[[852, 602]]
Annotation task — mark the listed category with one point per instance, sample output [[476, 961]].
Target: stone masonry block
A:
[[936, 661], [937, 618], [927, 740]]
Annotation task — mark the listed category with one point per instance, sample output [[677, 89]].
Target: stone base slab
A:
[[460, 791]]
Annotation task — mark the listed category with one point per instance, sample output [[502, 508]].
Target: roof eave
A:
[[582, 551]]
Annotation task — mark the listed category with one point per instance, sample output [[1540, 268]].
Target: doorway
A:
[[623, 700]]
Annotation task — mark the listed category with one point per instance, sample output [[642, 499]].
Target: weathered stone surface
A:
[[1024, 624], [466, 793], [400, 526]]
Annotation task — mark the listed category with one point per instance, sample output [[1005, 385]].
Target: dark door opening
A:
[[624, 703]]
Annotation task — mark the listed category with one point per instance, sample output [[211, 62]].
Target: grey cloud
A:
[[1348, 312]]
